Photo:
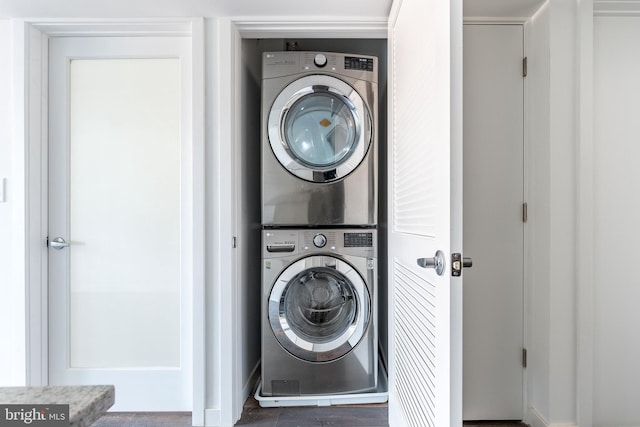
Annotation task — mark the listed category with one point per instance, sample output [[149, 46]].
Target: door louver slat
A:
[[414, 314]]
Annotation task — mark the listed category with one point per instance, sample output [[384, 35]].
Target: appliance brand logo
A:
[[34, 415]]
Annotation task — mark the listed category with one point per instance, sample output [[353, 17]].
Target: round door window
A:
[[319, 128], [319, 308]]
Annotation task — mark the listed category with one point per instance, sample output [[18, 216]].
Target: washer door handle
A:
[[281, 248]]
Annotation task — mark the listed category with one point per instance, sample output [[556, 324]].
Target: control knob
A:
[[319, 240], [320, 60]]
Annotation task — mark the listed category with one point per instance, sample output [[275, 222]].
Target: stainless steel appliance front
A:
[[319, 326], [319, 139]]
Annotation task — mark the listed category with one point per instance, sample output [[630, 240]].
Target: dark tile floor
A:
[[351, 416], [255, 416], [144, 419]]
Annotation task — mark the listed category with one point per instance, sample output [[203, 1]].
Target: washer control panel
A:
[[280, 242], [358, 240]]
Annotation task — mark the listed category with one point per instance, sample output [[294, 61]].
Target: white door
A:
[[425, 212], [493, 222], [120, 293]]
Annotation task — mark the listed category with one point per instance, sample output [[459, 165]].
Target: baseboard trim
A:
[[535, 419], [251, 384], [212, 417]]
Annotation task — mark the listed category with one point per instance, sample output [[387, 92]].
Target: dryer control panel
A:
[[279, 64]]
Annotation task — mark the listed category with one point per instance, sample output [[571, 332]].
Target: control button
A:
[[320, 60], [319, 240]]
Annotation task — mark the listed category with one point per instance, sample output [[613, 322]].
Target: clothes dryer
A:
[[319, 326], [319, 139]]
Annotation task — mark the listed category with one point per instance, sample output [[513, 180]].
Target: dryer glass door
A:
[[319, 128], [319, 308]]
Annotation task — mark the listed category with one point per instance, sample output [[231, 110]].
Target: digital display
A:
[[358, 64], [358, 240]]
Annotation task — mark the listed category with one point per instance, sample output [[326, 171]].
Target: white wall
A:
[[563, 170], [12, 312], [538, 183], [219, 391], [5, 207], [616, 343], [250, 250], [552, 139]]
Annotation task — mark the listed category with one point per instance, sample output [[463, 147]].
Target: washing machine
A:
[[319, 139], [319, 325]]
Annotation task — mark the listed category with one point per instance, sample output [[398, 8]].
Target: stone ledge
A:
[[86, 403]]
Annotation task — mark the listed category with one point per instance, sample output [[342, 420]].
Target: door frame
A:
[[31, 138], [527, 172]]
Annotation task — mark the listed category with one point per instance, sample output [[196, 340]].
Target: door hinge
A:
[[524, 357], [234, 242], [525, 212], [524, 66]]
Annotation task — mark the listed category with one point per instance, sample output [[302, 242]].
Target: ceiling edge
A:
[[303, 27]]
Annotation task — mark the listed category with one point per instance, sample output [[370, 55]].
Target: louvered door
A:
[[425, 212]]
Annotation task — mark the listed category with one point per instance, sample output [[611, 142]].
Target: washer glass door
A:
[[319, 308], [319, 128]]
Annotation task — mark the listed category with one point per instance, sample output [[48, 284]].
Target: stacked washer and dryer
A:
[[319, 219]]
